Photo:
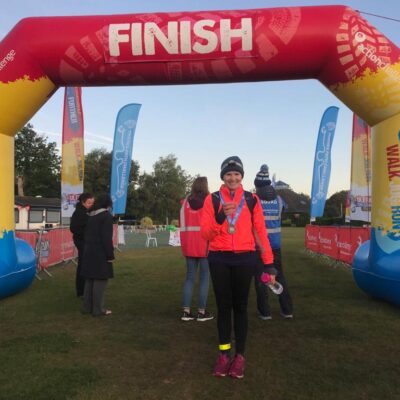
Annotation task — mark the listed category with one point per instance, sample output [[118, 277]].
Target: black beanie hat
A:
[[233, 163], [262, 177]]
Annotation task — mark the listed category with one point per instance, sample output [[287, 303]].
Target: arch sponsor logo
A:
[[8, 58], [144, 41], [370, 52]]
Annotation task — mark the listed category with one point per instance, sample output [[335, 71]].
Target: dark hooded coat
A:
[[99, 249]]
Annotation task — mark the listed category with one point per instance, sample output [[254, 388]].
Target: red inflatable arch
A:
[[333, 44]]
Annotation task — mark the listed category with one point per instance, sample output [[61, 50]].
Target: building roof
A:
[[282, 184], [44, 202], [295, 202]]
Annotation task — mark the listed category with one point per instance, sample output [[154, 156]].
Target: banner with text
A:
[[125, 127], [322, 162], [337, 242], [72, 167], [360, 188]]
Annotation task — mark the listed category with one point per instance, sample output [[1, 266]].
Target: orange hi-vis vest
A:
[[192, 244]]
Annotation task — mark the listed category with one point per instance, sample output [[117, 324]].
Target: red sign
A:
[[56, 245], [344, 245], [311, 238], [339, 243], [327, 241]]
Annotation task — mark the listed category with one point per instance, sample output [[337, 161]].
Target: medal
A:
[[232, 220]]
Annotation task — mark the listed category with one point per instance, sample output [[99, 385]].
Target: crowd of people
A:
[[231, 235]]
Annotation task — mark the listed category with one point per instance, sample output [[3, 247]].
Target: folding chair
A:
[[150, 239]]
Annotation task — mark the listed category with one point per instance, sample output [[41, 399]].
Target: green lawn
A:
[[342, 345]]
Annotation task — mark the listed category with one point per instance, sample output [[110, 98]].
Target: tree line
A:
[[156, 194]]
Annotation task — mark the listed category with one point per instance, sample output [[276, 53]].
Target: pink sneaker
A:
[[237, 367], [222, 365]]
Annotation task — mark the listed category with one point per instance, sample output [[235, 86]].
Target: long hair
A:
[[199, 187]]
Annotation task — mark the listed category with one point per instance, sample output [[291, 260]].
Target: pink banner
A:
[[311, 238], [339, 243], [327, 241], [56, 245], [344, 244]]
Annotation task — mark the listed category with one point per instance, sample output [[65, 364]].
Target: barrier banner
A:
[[125, 127], [72, 167], [327, 241], [56, 245], [339, 243], [360, 187], [344, 245], [322, 162], [359, 236], [312, 238]]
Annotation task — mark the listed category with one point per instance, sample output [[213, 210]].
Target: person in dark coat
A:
[[98, 256], [77, 227]]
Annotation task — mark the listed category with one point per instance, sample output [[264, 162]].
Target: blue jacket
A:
[[272, 210]]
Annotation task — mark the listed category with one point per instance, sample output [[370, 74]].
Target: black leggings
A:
[[231, 280]]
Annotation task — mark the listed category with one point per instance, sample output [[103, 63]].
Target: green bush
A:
[[286, 222], [146, 222]]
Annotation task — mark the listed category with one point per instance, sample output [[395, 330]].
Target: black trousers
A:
[[285, 301], [79, 280], [231, 275]]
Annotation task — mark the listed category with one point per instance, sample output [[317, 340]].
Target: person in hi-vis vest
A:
[[272, 205], [194, 248]]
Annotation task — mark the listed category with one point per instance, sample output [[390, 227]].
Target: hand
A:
[[229, 208], [270, 270], [267, 278]]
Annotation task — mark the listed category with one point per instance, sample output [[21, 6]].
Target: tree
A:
[[159, 193], [336, 204], [37, 164], [98, 171]]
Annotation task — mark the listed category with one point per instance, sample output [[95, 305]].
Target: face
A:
[[88, 203], [233, 180]]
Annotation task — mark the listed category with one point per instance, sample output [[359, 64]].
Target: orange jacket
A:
[[192, 244], [243, 238]]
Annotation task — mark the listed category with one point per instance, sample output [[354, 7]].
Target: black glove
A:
[[270, 269]]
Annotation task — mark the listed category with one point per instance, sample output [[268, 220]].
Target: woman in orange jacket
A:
[[232, 229]]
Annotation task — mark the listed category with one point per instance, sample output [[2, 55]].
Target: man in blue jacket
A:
[[272, 206]]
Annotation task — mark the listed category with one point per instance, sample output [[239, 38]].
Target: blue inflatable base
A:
[[380, 279], [20, 276]]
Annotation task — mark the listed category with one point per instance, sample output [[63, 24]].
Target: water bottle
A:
[[276, 287]]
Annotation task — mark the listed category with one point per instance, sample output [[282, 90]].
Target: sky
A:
[[273, 123]]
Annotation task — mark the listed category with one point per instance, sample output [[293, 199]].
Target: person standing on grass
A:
[[98, 256], [272, 206], [77, 227], [194, 248], [230, 216]]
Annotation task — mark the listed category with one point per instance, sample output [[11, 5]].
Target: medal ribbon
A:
[[232, 220]]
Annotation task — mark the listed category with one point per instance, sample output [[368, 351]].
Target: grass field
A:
[[341, 345]]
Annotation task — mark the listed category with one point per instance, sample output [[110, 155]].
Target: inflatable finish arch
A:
[[332, 44]]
